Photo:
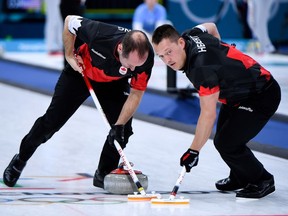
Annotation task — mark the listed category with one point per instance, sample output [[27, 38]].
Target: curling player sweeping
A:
[[248, 93], [118, 63]]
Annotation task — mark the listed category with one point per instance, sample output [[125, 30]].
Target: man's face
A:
[[171, 53], [132, 61], [151, 3]]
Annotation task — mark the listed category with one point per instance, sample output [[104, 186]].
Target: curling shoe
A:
[[98, 180], [228, 184], [13, 171], [257, 191]]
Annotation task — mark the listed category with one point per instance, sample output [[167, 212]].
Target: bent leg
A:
[[237, 126], [70, 93]]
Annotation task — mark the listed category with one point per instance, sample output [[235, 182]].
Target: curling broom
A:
[[172, 200], [143, 196]]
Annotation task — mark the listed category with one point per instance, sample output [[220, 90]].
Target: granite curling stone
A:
[[119, 181]]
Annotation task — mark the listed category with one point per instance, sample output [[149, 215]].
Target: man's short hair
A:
[[165, 31], [135, 40]]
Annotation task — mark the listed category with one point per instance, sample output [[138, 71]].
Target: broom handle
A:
[[178, 182], [117, 145]]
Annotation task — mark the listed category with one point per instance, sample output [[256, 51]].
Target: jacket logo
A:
[[200, 45], [123, 29], [246, 108], [123, 70], [98, 53]]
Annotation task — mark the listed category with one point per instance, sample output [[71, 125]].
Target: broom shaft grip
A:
[[178, 182]]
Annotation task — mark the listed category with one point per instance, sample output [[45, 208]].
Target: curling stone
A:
[[119, 181]]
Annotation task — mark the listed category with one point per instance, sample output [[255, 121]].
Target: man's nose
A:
[[167, 59]]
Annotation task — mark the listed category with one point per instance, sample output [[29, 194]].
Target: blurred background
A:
[[26, 18]]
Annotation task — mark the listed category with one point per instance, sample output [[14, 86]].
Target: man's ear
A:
[[181, 42], [119, 48]]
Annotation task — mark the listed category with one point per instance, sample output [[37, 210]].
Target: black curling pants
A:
[[236, 126], [70, 92]]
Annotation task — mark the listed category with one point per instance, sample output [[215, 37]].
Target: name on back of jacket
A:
[[200, 45]]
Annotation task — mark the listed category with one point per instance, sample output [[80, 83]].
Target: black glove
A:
[[189, 159], [116, 132]]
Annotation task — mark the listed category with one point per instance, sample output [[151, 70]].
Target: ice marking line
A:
[[5, 200], [16, 185], [50, 200], [24, 188], [73, 179], [18, 199], [82, 176]]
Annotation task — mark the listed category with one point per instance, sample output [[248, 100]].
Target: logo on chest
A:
[[123, 70]]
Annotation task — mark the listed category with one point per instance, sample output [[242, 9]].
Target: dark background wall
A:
[[16, 21]]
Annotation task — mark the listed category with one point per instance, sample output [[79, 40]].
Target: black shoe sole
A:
[[6, 181], [98, 183], [228, 188], [228, 185], [10, 174], [98, 180], [255, 195]]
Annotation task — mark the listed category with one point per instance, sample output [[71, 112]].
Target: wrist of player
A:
[[189, 159], [116, 133]]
